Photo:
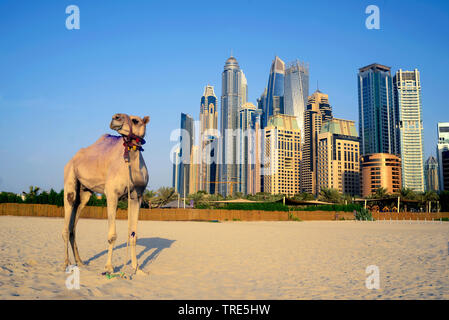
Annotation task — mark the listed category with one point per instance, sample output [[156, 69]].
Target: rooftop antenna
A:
[[317, 87], [231, 53]]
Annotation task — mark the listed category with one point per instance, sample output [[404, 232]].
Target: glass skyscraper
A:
[[275, 90], [407, 94], [296, 91], [377, 115], [209, 140], [186, 139], [234, 93], [442, 146]]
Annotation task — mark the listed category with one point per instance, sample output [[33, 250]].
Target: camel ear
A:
[[146, 120]]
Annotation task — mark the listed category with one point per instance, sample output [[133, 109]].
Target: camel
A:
[[108, 167]]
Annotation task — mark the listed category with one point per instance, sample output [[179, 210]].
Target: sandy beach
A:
[[230, 260]]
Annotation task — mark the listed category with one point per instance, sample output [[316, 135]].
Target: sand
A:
[[230, 260]]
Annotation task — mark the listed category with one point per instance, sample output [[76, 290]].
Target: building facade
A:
[[380, 170], [445, 169], [442, 145], [407, 89], [377, 114], [208, 141], [296, 91], [186, 140], [249, 149], [431, 174], [318, 111], [275, 90], [338, 163], [282, 155], [231, 100]]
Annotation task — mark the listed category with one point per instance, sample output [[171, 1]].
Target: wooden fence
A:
[[46, 210]]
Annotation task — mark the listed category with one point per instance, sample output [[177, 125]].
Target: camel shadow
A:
[[158, 244]]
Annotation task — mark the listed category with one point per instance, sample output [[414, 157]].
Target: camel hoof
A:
[[65, 265], [80, 263], [140, 272], [108, 268]]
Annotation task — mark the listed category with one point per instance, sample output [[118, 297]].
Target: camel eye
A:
[[135, 121]]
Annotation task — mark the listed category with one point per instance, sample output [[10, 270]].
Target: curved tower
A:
[[232, 97]]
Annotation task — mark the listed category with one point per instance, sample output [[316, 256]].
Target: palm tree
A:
[[431, 196], [198, 198], [330, 195], [165, 195], [32, 194], [380, 193], [408, 194], [149, 196]]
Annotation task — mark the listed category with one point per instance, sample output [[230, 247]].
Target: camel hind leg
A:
[[84, 196]]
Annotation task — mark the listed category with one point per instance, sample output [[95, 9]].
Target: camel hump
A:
[[108, 139]]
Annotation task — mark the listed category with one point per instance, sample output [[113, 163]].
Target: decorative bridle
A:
[[131, 141]]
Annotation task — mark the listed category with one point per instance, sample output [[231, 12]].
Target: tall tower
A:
[[209, 140], [249, 148], [186, 140], [431, 174], [377, 114], [275, 91], [407, 89], [296, 91], [442, 146], [318, 110], [231, 100]]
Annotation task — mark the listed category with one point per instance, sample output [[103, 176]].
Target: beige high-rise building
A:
[[194, 170], [209, 141], [282, 155], [338, 163], [380, 170], [407, 87], [318, 110]]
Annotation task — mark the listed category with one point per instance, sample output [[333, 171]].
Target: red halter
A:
[[131, 142]]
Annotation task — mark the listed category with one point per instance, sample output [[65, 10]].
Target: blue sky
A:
[[60, 88]]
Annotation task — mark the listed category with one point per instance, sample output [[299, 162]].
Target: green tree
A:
[[165, 195], [149, 197], [381, 193], [31, 195], [330, 195]]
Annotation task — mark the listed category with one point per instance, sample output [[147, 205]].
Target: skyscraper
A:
[[186, 140], [377, 114], [249, 146], [443, 145], [318, 110], [338, 157], [283, 154], [209, 140], [275, 90], [445, 169], [431, 174], [407, 89], [296, 91], [231, 100]]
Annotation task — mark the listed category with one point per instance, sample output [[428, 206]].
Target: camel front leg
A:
[[133, 218], [112, 233]]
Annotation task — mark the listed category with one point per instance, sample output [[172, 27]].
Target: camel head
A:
[[121, 123]]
